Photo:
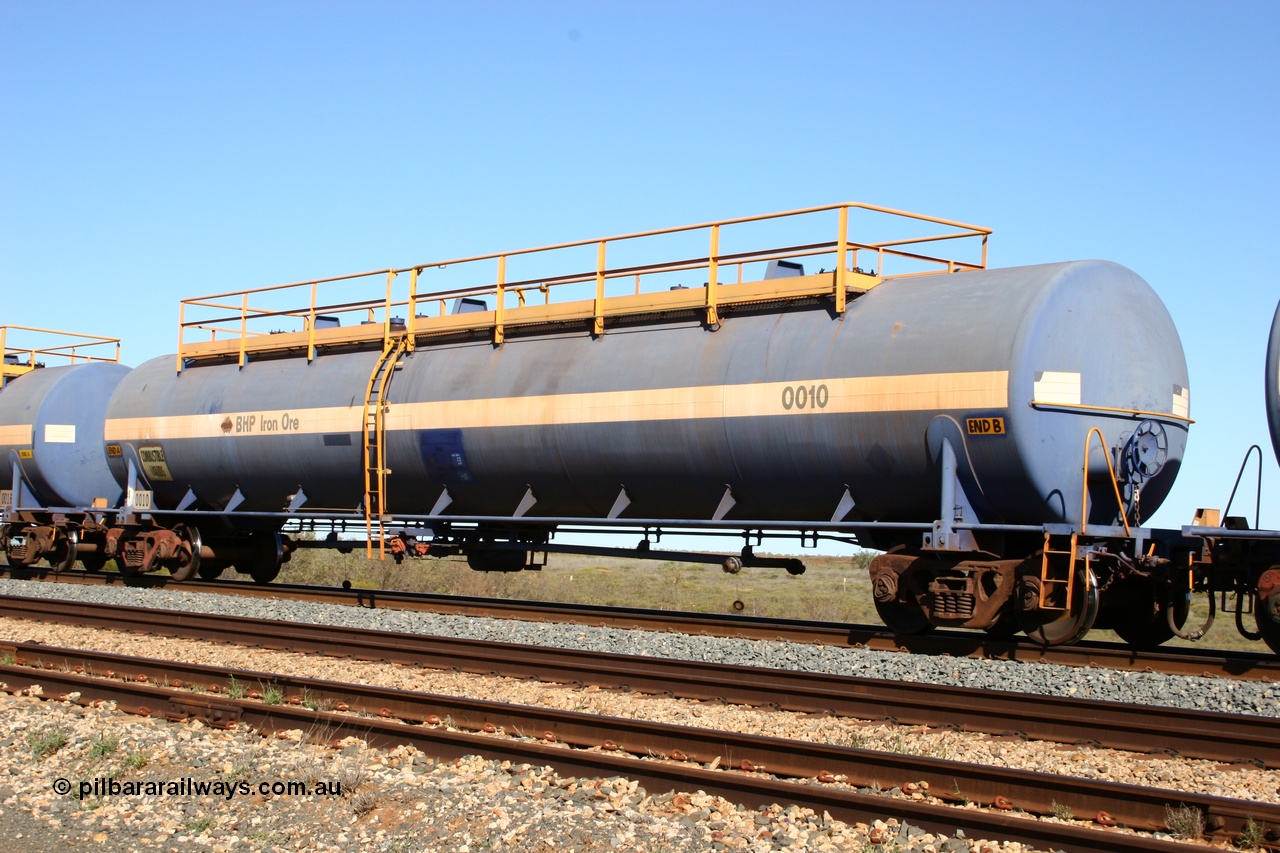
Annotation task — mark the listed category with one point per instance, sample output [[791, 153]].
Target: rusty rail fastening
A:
[[388, 711]]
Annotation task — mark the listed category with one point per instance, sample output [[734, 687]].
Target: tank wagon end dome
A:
[[1096, 347], [1273, 383], [60, 412]]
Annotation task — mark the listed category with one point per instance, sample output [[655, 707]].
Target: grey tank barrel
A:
[[775, 413]]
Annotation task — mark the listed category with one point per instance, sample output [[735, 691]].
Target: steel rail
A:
[[1250, 666], [1137, 807], [1135, 728]]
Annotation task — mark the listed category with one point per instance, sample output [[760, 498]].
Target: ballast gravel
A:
[[1240, 781], [173, 781], [1146, 688], [402, 800]]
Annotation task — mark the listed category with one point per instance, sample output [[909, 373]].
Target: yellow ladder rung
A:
[[1049, 579]]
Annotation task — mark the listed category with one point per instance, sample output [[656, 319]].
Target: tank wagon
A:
[[1000, 434], [51, 439]]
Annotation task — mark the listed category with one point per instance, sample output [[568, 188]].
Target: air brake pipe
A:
[[754, 524], [1211, 532]]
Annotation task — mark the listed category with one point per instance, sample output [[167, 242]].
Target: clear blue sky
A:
[[151, 151]]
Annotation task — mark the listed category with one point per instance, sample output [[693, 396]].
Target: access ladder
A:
[[374, 434]]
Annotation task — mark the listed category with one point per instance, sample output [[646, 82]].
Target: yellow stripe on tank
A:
[[847, 395], [874, 394], [15, 434], [326, 419]]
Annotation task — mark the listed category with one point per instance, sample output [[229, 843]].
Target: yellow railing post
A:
[[386, 313], [244, 324], [499, 308], [411, 321], [841, 247], [182, 307], [597, 327], [311, 325], [713, 269]]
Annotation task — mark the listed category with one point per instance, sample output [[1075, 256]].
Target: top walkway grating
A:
[[716, 264]]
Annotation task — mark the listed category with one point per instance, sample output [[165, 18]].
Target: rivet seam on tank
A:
[[841, 395]]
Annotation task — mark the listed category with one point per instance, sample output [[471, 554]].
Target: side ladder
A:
[[1057, 566], [374, 429]]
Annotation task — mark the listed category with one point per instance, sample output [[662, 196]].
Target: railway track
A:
[[1207, 662], [1134, 728], [743, 768]]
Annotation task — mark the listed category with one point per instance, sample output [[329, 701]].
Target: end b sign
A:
[[985, 426]]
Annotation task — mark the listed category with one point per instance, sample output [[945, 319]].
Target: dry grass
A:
[[834, 589]]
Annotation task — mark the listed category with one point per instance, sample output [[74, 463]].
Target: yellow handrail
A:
[[1084, 491], [1137, 413], [54, 344], [234, 306]]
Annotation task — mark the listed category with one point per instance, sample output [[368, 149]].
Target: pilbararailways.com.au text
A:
[[189, 787]]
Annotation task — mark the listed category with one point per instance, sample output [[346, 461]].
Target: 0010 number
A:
[[805, 397]]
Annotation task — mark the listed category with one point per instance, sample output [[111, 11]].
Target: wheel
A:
[[264, 572], [1266, 615], [210, 571], [1147, 626], [1059, 628], [93, 562], [1005, 627], [63, 555], [263, 569], [187, 563], [903, 618]]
